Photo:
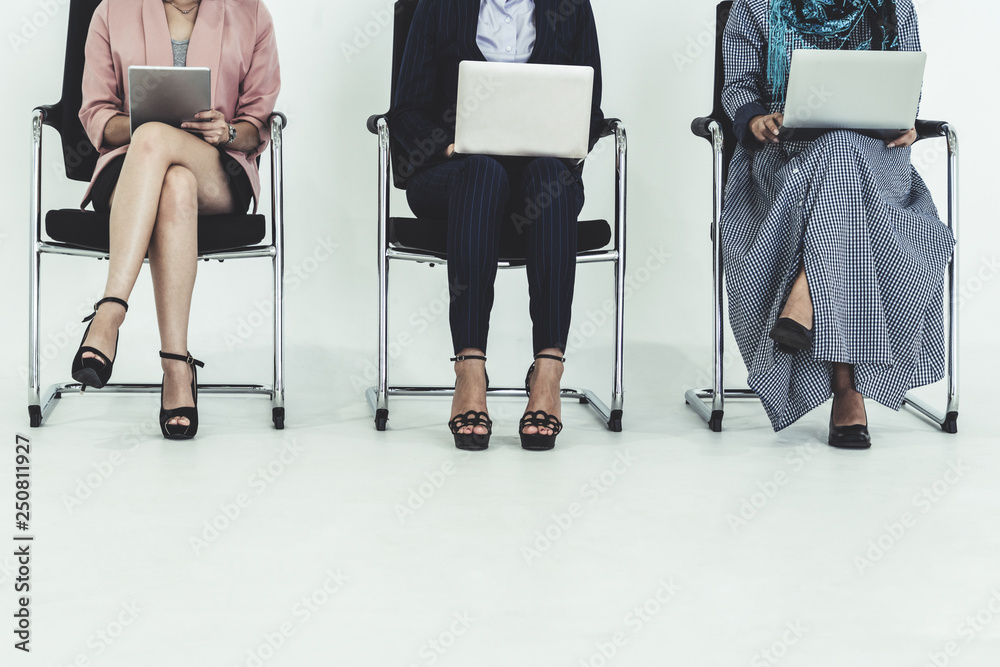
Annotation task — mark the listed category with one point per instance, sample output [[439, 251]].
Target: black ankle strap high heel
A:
[[95, 372], [180, 431], [536, 442], [472, 442]]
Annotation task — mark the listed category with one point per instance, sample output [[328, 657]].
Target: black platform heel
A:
[[179, 431], [856, 436], [93, 372], [472, 442], [791, 336], [536, 442]]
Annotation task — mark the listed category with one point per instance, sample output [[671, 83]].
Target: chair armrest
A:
[[702, 127], [283, 117], [928, 129], [373, 122], [609, 126]]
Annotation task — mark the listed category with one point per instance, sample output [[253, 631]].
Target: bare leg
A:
[[155, 148], [545, 394], [848, 404], [470, 388], [799, 305], [173, 263]]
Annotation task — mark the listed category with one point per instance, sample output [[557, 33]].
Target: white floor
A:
[[663, 545]]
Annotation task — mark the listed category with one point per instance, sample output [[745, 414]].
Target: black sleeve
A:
[[588, 52], [410, 118]]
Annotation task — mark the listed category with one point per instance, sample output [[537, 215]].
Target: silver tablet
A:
[[524, 109], [171, 95], [876, 91]]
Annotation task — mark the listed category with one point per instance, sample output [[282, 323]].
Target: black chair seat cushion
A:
[[430, 237], [216, 233]]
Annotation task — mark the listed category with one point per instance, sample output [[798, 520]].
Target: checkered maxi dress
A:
[[863, 221]]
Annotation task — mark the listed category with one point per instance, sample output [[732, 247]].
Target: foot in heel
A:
[[180, 390], [471, 426], [92, 366], [540, 424]]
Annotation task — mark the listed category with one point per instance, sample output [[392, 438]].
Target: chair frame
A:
[[41, 403], [378, 396], [710, 403]]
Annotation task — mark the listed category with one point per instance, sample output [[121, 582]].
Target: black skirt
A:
[[107, 181]]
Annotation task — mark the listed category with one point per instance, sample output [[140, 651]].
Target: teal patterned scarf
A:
[[831, 22]]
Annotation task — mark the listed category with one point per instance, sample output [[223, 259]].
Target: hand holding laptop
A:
[[767, 128]]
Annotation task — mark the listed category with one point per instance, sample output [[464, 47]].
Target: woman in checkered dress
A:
[[834, 251]]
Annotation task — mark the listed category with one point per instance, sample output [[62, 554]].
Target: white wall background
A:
[[658, 76]]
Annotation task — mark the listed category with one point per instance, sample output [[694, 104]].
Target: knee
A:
[[549, 177], [150, 139], [484, 175], [179, 192], [838, 141]]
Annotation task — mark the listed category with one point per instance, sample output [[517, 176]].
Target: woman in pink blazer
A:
[[156, 182]]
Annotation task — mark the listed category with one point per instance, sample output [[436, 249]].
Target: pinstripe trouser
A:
[[484, 197]]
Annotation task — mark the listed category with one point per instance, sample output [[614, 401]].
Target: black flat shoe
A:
[[536, 442], [849, 437], [91, 372], [179, 431], [791, 336], [472, 442]]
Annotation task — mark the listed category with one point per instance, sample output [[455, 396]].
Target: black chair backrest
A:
[[79, 155], [718, 111], [404, 11]]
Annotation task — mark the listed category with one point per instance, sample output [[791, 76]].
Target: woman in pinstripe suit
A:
[[472, 192]]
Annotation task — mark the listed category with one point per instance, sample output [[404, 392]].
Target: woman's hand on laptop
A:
[[766, 128], [903, 140], [211, 125], [448, 152]]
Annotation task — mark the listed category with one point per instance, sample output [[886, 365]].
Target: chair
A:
[[422, 240], [85, 234], [717, 129]]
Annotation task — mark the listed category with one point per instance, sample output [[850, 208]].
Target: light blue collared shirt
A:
[[506, 30]]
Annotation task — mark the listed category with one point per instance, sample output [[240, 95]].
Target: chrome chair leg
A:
[[35, 412]]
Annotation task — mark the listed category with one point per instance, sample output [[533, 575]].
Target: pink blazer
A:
[[234, 38]]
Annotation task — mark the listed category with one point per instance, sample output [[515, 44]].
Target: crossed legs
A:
[[168, 177], [848, 403]]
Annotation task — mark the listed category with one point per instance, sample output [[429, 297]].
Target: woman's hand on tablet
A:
[[903, 140], [765, 128], [212, 127]]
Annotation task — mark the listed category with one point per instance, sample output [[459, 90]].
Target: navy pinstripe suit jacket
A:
[[443, 34]]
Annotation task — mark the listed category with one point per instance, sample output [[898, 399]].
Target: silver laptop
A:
[[524, 109], [876, 92], [171, 95]]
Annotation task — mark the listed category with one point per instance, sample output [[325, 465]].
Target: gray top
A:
[[180, 52]]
